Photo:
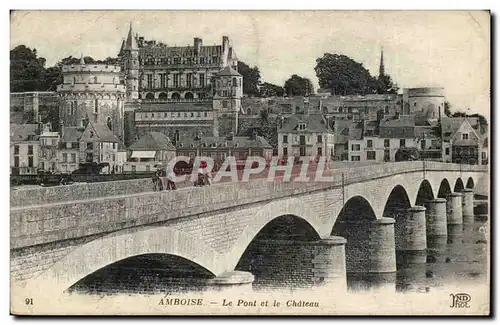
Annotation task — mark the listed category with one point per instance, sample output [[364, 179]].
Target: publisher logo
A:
[[459, 300]]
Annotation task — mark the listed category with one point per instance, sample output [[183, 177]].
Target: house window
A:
[[206, 114], [320, 139], [30, 161], [285, 139], [369, 143], [402, 142], [134, 169], [202, 78], [65, 157], [177, 78], [320, 151], [447, 151], [235, 82], [73, 157], [465, 136], [370, 155], [189, 79], [96, 106], [355, 147], [114, 145], [285, 151], [163, 80], [224, 104], [483, 155], [30, 149], [355, 158], [16, 161], [386, 143], [89, 146], [16, 150], [148, 168], [150, 81]]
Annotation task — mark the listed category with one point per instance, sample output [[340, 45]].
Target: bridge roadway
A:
[[85, 227]]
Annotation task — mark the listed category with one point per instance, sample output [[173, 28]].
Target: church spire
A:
[[381, 70], [82, 60], [131, 43]]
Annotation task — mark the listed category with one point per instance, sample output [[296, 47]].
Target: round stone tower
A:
[[92, 92], [426, 103]]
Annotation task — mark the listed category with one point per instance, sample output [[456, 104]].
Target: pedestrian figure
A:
[[170, 180]]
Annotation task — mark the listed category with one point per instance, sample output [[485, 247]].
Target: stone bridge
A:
[[61, 235]]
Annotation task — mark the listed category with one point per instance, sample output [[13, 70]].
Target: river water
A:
[[461, 257]]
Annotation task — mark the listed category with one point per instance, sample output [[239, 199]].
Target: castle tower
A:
[[129, 54], [381, 69], [92, 92], [227, 101]]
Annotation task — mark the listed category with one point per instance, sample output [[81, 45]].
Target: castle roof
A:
[[228, 71], [131, 41], [153, 141]]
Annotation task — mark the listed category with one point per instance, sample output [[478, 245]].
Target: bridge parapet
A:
[[38, 196]]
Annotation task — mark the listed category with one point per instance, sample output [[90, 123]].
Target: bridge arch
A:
[[425, 193], [470, 183], [444, 188], [459, 185], [115, 247], [353, 223], [268, 213]]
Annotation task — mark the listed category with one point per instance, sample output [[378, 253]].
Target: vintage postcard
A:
[[250, 163]]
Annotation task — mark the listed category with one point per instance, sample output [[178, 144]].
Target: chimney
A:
[[230, 136], [198, 43]]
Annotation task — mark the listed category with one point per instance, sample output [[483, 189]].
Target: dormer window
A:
[[192, 145], [236, 145], [180, 145], [302, 126]]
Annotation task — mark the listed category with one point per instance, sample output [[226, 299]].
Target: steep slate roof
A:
[[314, 123], [402, 121], [153, 141], [237, 142], [450, 125], [21, 132], [341, 130], [228, 71], [356, 131], [162, 50], [175, 107], [103, 133], [427, 131], [71, 134]]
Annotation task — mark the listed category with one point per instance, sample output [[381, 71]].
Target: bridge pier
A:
[[468, 205], [436, 226], [454, 209], [411, 237], [232, 281], [382, 246], [329, 263]]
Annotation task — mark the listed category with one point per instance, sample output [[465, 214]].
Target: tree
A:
[[251, 79], [270, 90], [298, 86], [447, 110], [344, 76], [385, 85], [26, 70]]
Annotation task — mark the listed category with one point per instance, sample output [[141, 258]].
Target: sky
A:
[[450, 49]]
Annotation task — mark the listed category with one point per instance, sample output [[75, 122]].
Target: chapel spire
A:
[[381, 70]]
